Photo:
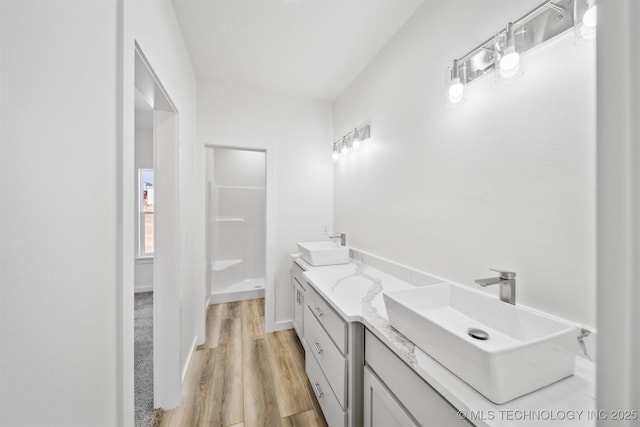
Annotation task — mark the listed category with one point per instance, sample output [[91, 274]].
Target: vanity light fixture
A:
[[503, 52], [585, 15], [352, 140]]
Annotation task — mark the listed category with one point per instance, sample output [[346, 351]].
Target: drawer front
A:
[[296, 272], [331, 409], [381, 409], [419, 398], [333, 364], [328, 318]]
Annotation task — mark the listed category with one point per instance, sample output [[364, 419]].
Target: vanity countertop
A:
[[355, 292]]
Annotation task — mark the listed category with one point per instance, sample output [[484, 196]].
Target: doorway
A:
[[157, 371], [144, 213], [236, 224], [268, 150]]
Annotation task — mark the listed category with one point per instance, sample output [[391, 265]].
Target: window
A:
[[145, 212]]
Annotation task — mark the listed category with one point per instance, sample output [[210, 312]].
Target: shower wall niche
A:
[[236, 226]]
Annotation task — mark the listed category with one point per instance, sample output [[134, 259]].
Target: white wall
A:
[[507, 180], [152, 24], [58, 225], [301, 132], [143, 279], [143, 149], [239, 168]]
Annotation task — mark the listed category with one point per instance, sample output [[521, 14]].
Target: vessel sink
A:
[[323, 253], [513, 351]]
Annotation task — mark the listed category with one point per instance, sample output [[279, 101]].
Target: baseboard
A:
[[219, 298], [185, 368], [281, 326], [140, 289]]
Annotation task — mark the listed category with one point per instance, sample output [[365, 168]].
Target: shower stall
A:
[[236, 224]]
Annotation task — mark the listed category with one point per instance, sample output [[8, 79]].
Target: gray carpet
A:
[[143, 359]]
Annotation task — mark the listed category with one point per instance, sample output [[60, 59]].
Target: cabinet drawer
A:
[[328, 318], [333, 364], [331, 409], [419, 398], [296, 272]]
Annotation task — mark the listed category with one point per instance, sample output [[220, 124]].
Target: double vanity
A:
[[382, 351]]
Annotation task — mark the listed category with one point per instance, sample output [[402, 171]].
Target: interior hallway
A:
[[242, 376]]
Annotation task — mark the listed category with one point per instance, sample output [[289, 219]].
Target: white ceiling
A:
[[305, 48]]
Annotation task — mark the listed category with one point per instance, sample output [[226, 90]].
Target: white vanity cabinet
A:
[[297, 280], [365, 373], [334, 360], [394, 395]]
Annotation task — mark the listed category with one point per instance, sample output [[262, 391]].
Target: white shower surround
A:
[[237, 231]]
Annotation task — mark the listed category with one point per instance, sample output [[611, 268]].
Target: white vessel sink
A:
[[524, 352], [323, 253]]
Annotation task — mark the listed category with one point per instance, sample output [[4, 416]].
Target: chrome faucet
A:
[[342, 237], [507, 282]]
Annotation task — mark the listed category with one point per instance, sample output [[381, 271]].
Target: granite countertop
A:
[[355, 292]]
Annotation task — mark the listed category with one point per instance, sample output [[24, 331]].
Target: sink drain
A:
[[478, 334]]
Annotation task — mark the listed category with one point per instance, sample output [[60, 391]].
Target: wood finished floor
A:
[[243, 376]]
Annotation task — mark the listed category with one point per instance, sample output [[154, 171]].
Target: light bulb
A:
[[345, 149], [508, 63], [456, 91], [590, 17], [355, 139], [510, 60], [334, 156], [589, 23], [456, 76]]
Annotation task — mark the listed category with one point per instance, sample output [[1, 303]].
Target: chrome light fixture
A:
[[585, 16], [503, 52], [350, 142]]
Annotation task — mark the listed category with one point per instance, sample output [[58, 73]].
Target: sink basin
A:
[[524, 351], [323, 253]]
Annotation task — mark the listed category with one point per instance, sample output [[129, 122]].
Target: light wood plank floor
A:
[[243, 376]]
